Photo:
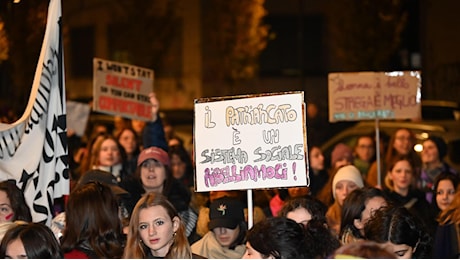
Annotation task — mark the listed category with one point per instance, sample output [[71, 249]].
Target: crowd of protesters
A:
[[132, 196]]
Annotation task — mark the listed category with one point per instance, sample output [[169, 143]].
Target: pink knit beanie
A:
[[340, 152]]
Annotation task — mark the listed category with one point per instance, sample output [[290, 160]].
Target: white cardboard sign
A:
[[247, 142], [122, 89]]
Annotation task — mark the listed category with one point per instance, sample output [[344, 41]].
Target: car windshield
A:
[[449, 130]]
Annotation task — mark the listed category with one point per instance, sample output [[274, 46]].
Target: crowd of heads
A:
[[132, 196]]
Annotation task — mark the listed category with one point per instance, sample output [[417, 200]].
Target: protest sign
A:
[[122, 89], [374, 95], [254, 141], [77, 116]]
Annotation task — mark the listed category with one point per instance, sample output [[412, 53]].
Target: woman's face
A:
[[365, 148], [342, 189], [226, 236], [316, 159], [153, 175], [402, 251], [137, 125], [429, 153], [177, 166], [128, 141], [109, 154], [342, 162], [251, 253], [6, 212], [445, 193], [403, 142], [401, 175], [15, 250], [295, 192], [300, 215], [157, 229]]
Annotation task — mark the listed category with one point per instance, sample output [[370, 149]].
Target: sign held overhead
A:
[[374, 95], [122, 89], [254, 141]]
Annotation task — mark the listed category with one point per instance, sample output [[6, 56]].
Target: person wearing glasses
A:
[[401, 144], [364, 154]]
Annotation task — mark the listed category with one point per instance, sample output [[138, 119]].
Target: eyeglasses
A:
[[403, 138], [365, 146]]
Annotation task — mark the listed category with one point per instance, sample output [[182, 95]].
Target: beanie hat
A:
[[341, 151], [155, 153], [440, 144], [225, 212], [348, 173]]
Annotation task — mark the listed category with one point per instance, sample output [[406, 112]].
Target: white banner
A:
[[33, 150]]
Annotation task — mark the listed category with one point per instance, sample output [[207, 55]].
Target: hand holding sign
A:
[[155, 105]]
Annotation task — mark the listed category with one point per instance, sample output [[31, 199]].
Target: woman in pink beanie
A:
[[347, 179], [341, 155]]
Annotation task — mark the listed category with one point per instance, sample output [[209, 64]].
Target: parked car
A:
[[449, 130], [440, 110]]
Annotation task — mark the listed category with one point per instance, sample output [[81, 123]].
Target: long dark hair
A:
[[18, 203], [398, 226], [314, 206], [184, 156], [92, 221], [278, 237], [241, 238], [38, 240], [316, 229], [136, 151], [353, 207]]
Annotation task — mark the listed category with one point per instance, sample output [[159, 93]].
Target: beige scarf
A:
[[209, 247]]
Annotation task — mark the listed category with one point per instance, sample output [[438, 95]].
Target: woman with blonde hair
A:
[[108, 155], [156, 230]]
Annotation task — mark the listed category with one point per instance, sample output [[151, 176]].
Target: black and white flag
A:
[[33, 150]]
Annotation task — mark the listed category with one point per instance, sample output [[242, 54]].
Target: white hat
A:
[[349, 173]]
